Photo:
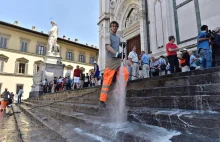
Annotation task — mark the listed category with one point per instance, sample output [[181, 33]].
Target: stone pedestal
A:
[[52, 67], [36, 91]]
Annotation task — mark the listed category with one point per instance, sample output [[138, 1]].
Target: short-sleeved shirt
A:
[[154, 64], [77, 73], [172, 46], [145, 59], [114, 41], [133, 55], [192, 63], [202, 44], [162, 61]]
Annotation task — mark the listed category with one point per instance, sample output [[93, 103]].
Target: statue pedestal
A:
[[36, 91], [52, 67]]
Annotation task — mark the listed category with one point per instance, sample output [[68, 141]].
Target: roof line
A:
[[45, 35]]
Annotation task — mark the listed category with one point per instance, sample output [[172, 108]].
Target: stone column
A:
[[152, 26], [143, 26], [169, 19], [104, 21]]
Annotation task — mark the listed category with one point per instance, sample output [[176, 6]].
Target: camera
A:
[[211, 34]]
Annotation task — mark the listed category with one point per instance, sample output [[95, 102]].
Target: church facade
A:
[[148, 23]]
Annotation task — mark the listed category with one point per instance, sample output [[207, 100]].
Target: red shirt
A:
[[172, 46], [77, 72]]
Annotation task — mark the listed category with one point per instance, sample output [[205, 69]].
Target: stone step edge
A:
[[86, 121], [36, 119], [75, 117], [181, 74], [164, 120], [16, 123], [94, 111]]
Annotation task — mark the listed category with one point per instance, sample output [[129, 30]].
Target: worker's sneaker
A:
[[102, 104]]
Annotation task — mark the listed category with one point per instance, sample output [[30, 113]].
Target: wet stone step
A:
[[82, 121], [8, 127], [70, 107], [175, 81], [206, 123], [193, 90], [200, 102], [104, 128], [32, 130], [68, 131]]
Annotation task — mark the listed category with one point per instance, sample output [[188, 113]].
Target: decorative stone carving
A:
[[53, 47], [37, 78], [133, 17]]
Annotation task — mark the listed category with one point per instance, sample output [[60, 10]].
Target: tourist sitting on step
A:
[[154, 67], [185, 61]]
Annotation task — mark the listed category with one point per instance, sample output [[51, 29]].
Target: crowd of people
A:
[[7, 98], [79, 80], [144, 66]]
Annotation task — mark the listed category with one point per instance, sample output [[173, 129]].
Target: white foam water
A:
[[118, 111]]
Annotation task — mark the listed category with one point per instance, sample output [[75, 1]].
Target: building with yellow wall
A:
[[22, 51]]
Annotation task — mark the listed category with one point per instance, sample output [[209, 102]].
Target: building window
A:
[[92, 59], [21, 68], [37, 65], [69, 55], [18, 86], [82, 58], [40, 50], [3, 42], [24, 45]]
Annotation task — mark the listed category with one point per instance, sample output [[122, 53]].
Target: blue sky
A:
[[75, 18]]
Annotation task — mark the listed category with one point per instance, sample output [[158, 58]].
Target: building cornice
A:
[[16, 75], [41, 56], [46, 35]]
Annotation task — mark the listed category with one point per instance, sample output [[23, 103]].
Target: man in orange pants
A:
[[113, 61]]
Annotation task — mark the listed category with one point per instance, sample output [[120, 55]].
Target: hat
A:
[[94, 62], [184, 50]]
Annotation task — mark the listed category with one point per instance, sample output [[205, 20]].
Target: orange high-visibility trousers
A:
[[107, 80]]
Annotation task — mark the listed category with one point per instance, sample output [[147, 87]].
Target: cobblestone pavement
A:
[[8, 132]]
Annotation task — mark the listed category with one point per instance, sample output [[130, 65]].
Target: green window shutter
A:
[[16, 67], [45, 50], [25, 46], [5, 42], [67, 55], [37, 48], [26, 68]]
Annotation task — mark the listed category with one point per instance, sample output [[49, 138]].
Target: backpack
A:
[[198, 62]]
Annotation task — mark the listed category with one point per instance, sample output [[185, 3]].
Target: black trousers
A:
[[174, 63], [192, 68]]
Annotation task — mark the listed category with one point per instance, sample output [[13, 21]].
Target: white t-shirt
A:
[[133, 56], [60, 80]]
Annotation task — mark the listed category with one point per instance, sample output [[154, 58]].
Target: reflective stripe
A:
[[104, 91], [105, 86]]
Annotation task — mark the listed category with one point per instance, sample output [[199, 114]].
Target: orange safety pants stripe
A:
[[107, 80]]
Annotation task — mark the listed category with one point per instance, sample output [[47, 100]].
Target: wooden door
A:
[[136, 41]]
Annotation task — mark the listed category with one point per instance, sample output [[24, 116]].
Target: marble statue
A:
[[53, 47]]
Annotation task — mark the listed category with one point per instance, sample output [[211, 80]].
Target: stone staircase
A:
[[183, 107]]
